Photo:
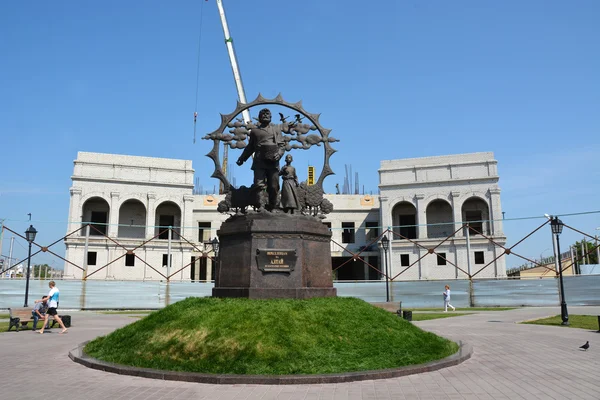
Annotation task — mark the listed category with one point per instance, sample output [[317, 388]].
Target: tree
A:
[[590, 249], [45, 268]]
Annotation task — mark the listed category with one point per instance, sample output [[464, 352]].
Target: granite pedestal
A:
[[274, 255]]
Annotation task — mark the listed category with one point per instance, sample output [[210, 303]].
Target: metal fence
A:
[[76, 294], [120, 254]]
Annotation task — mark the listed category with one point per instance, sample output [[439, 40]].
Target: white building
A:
[[128, 199], [131, 201], [425, 200]]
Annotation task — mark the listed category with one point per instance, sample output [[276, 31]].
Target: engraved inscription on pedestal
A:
[[276, 260]]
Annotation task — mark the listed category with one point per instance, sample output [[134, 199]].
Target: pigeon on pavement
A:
[[585, 346]]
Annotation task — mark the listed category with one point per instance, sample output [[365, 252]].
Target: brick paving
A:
[[510, 361]]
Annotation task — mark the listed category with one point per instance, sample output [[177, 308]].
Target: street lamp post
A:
[[385, 243], [30, 236], [215, 247], [557, 226]]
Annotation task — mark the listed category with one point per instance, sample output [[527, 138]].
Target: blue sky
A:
[[393, 79]]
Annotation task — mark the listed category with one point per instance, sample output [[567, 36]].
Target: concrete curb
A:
[[464, 353]]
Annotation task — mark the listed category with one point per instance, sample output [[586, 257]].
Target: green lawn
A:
[[427, 316], [4, 316], [277, 337], [575, 321]]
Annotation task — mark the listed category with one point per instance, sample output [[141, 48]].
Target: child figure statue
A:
[[289, 193]]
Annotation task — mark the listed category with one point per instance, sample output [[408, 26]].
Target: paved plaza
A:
[[510, 361]]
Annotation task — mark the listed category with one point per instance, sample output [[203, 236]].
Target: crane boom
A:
[[234, 65], [236, 76]]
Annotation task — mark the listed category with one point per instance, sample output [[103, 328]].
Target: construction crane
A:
[[236, 76]]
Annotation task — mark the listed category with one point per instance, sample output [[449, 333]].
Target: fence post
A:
[[471, 293], [597, 251], [169, 254], [496, 262], [82, 295], [10, 253], [2, 240], [456, 262], [168, 292], [85, 252], [468, 236], [110, 257]]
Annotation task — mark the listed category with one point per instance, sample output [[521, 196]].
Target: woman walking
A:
[[447, 299]]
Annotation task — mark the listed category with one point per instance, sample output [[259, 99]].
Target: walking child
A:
[[447, 299]]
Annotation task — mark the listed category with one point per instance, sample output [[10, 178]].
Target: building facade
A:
[[425, 203], [136, 218], [128, 201]]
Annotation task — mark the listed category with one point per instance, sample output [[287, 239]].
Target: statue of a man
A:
[[267, 144]]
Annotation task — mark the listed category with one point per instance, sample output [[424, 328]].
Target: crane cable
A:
[[198, 69]]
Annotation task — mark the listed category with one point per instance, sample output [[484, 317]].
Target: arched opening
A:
[[476, 212], [95, 211], [404, 217], [440, 222], [167, 214], [132, 220]]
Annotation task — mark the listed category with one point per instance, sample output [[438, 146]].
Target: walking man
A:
[[52, 307]]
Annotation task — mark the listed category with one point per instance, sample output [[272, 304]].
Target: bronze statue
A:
[[289, 192], [267, 144]]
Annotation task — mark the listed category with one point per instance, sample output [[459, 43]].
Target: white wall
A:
[[454, 179], [152, 181]]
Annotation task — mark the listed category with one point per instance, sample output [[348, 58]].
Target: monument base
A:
[[274, 255], [268, 293]]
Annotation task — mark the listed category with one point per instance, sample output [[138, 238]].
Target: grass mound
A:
[[270, 337]]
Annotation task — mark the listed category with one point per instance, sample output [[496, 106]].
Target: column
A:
[[209, 276], [495, 254], [495, 213], [421, 216], [114, 215], [75, 210], [187, 229], [336, 235], [74, 223], [150, 214], [385, 215], [457, 213]]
